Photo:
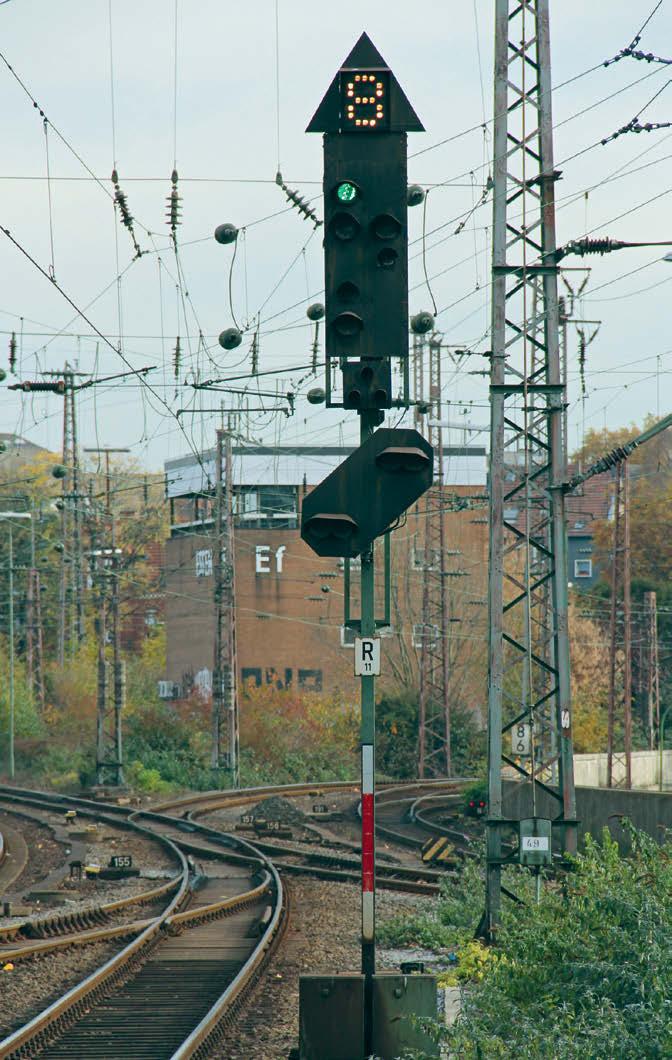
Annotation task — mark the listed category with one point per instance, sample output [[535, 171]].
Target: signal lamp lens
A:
[[347, 291], [348, 324], [387, 258], [346, 191], [344, 226], [472, 804], [385, 226]]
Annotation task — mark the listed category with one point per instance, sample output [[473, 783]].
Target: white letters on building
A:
[[262, 559]]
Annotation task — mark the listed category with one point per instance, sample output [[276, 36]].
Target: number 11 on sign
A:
[[367, 656]]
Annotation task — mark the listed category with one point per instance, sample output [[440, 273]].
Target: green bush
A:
[[580, 976]]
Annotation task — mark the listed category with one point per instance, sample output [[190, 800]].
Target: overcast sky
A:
[[227, 155]]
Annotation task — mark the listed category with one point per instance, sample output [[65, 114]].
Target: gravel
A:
[[44, 852], [278, 809], [322, 936], [34, 984]]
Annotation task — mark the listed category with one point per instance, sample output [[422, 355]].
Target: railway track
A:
[[191, 963], [189, 966]]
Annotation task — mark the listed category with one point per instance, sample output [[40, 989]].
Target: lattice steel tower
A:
[[225, 726], [619, 762], [71, 587], [528, 681], [434, 707]]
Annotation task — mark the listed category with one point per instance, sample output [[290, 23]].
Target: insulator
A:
[[12, 352], [255, 353], [300, 203], [173, 215], [38, 387], [593, 246], [176, 357]]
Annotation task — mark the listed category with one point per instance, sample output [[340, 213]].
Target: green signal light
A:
[[346, 192]]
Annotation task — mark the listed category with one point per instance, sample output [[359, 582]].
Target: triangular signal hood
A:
[[365, 56]]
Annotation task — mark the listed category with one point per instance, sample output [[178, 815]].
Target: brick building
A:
[[289, 602]]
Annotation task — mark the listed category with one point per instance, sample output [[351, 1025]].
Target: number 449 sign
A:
[[367, 656]]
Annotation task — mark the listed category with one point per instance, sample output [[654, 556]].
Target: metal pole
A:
[[117, 662], [627, 631], [527, 461], [661, 745], [231, 659], [11, 653], [368, 756], [217, 670]]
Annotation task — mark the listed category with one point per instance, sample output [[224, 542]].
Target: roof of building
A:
[[291, 465]]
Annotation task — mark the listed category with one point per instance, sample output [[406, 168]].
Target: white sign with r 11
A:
[[367, 656]]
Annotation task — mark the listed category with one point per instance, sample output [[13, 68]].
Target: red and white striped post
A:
[[368, 859], [367, 629]]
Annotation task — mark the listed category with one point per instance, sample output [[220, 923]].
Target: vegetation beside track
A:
[[581, 974]]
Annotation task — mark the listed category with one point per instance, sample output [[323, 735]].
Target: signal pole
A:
[[527, 395], [225, 722], [365, 117]]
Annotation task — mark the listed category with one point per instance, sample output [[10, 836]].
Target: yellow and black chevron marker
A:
[[437, 849]]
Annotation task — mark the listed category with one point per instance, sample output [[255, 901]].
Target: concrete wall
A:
[[597, 808], [590, 770]]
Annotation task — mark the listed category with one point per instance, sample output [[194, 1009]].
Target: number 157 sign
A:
[[367, 656]]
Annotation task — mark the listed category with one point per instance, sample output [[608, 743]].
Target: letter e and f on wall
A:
[[262, 559]]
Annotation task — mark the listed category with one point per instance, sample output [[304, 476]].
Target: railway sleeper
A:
[[63, 923]]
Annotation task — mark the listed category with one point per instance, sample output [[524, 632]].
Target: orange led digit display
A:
[[365, 100]]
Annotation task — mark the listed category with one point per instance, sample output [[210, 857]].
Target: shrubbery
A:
[[582, 975]]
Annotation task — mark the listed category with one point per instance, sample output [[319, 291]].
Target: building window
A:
[[418, 558], [583, 568], [424, 634], [264, 507], [347, 637], [203, 560], [151, 618]]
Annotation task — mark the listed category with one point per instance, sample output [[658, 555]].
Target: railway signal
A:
[[359, 500], [365, 117]]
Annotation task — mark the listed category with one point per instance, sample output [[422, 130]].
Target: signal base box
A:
[[331, 1015]]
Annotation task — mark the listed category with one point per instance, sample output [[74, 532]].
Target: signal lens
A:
[[346, 192]]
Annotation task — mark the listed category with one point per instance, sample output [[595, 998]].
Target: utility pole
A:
[[225, 722], [71, 588], [528, 552], [652, 668], [106, 569], [619, 763], [34, 638], [10, 579], [434, 703]]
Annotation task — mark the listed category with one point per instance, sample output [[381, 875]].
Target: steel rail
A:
[[171, 918], [72, 1002]]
